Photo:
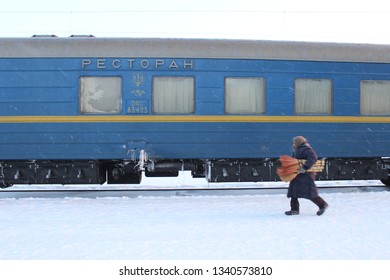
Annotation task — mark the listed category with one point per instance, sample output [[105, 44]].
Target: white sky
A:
[[299, 20]]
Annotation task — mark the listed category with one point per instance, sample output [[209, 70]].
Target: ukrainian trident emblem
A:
[[138, 81]]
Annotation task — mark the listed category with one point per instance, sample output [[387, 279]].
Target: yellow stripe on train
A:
[[193, 118]]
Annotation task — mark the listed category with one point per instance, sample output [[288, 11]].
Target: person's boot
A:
[[294, 203], [321, 204], [291, 212]]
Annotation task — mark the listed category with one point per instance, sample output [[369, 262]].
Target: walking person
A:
[[303, 186]]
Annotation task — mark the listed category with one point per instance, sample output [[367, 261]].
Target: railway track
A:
[[136, 192]]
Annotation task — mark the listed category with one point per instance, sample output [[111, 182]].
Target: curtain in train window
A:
[[375, 97], [173, 95], [100, 95], [245, 95], [313, 96]]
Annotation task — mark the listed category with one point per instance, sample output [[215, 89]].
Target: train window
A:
[[244, 95], [313, 96], [100, 95], [173, 95], [375, 97]]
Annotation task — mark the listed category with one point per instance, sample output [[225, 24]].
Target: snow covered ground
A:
[[355, 227]]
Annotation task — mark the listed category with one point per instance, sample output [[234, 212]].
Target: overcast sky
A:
[[300, 20]]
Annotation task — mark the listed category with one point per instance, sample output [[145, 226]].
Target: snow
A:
[[217, 227]]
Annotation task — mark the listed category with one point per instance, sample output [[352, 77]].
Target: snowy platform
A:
[[355, 227]]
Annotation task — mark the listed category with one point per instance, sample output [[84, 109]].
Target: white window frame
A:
[[100, 94], [173, 95], [245, 95], [375, 97], [313, 96]]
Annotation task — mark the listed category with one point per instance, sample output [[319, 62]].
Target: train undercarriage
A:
[[66, 172]]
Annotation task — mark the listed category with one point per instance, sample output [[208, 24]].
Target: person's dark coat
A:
[[303, 186]]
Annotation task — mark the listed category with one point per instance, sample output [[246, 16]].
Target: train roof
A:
[[47, 47]]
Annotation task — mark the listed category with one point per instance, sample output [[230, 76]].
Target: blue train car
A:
[[90, 110]]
